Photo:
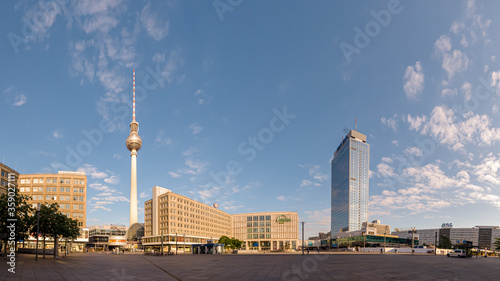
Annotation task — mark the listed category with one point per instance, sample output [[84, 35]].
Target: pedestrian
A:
[[381, 250], [318, 250], [308, 251], [396, 250]]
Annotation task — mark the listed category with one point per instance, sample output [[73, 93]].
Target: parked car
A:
[[457, 253]]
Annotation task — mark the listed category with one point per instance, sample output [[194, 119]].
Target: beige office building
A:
[[267, 230], [4, 179], [68, 189], [182, 221]]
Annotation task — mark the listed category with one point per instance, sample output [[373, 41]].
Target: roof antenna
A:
[[356, 123], [133, 100]]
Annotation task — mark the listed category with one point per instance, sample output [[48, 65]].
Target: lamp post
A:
[[176, 244], [184, 246], [37, 228], [338, 244], [385, 241], [162, 242], [303, 238], [349, 243]]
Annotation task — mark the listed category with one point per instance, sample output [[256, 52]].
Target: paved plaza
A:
[[337, 266]]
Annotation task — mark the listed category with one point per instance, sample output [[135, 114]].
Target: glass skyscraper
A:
[[350, 176]]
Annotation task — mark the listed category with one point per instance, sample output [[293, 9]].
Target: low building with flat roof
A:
[[267, 231]]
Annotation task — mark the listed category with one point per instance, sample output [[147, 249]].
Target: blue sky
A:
[[422, 80]]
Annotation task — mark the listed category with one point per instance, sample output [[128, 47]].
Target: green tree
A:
[[445, 242], [14, 210], [226, 241], [235, 243], [497, 243]]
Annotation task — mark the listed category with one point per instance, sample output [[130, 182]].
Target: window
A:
[[262, 236], [80, 198], [268, 218], [75, 189], [22, 181], [268, 223], [255, 224], [261, 223], [249, 224], [53, 197], [27, 189], [75, 181], [261, 218], [268, 236], [261, 230], [249, 230], [75, 198], [256, 236], [40, 181], [255, 230], [28, 180], [255, 218], [61, 181], [68, 198], [68, 181], [268, 229], [80, 207], [47, 197], [22, 189], [68, 189], [75, 207], [35, 181], [80, 215], [81, 190], [249, 236]]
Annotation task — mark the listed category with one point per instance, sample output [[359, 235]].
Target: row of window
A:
[[53, 189], [54, 197], [256, 224], [259, 236], [258, 218], [66, 181], [257, 230], [5, 174]]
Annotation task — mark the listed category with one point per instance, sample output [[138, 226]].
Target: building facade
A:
[[68, 189], [4, 177], [107, 237], [350, 186], [267, 230], [179, 221], [482, 237]]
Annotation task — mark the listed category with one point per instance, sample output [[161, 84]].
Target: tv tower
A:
[[134, 143]]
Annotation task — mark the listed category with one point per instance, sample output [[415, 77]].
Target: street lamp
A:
[[37, 228], [385, 243], [184, 246]]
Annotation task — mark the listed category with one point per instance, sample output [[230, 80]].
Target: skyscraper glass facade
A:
[[350, 176]]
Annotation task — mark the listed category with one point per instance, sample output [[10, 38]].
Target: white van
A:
[[457, 253]]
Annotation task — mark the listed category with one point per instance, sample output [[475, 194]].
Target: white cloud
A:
[[412, 150], [92, 171], [233, 207], [112, 180], [494, 109], [57, 135], [448, 92], [100, 22], [143, 195], [455, 62], [162, 139], [281, 198], [305, 183], [20, 100], [442, 44], [174, 174], [449, 129], [385, 170], [155, 27], [190, 151], [117, 156], [414, 81], [196, 129], [395, 142], [467, 90], [390, 122]]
